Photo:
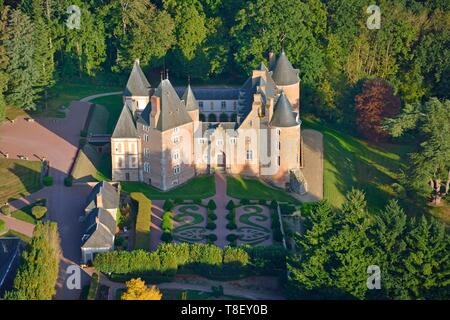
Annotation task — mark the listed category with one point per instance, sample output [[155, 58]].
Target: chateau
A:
[[166, 136]]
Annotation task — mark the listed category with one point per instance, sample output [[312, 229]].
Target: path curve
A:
[[100, 95]]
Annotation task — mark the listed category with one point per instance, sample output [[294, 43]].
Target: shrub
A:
[[245, 201], [178, 201], [211, 226], [168, 205], [6, 210], [232, 237], [217, 291], [167, 222], [231, 216], [83, 133], [93, 287], [197, 201], [231, 226], [166, 237], [47, 181], [212, 205], [2, 227], [287, 209], [276, 228], [212, 217], [262, 202], [68, 181], [273, 204], [143, 222], [82, 142], [267, 259], [212, 237], [230, 205], [38, 212], [235, 256]]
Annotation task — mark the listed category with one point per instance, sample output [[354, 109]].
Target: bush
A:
[[93, 287], [83, 133], [178, 201], [2, 227], [168, 205], [143, 222], [245, 201], [82, 142], [232, 237], [262, 202], [236, 257], [231, 216], [217, 291], [230, 205], [197, 201], [6, 210], [38, 212], [211, 226], [167, 222], [276, 228], [287, 209], [47, 181], [273, 204], [212, 216], [212, 237], [212, 205], [166, 237], [231, 226], [68, 181]]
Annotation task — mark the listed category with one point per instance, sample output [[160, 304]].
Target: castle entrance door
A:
[[221, 159]]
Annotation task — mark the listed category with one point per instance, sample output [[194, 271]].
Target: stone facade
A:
[[165, 144]]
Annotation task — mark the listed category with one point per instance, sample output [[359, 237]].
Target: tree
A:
[[431, 163], [137, 290], [38, 271], [375, 103], [4, 60], [21, 69]]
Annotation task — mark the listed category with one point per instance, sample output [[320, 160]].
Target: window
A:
[[278, 131], [146, 137], [174, 182], [248, 140], [201, 140], [133, 161], [119, 147], [212, 105], [145, 128], [146, 152], [249, 155], [279, 145], [223, 105], [233, 140], [200, 104], [176, 155], [119, 162], [219, 142], [234, 105], [251, 123], [279, 160], [146, 167], [177, 169], [176, 130], [176, 139]]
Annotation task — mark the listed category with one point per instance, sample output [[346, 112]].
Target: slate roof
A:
[[110, 196], [189, 99], [125, 127], [284, 74], [137, 84], [212, 93], [145, 115], [283, 114], [100, 228], [173, 112]]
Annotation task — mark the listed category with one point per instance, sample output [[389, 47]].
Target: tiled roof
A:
[[284, 74], [137, 84], [189, 99], [283, 114], [125, 127]]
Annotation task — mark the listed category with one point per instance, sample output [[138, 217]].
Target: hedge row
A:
[[143, 221], [203, 259]]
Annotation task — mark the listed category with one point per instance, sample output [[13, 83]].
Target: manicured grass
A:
[[18, 178], [253, 189], [143, 221], [3, 227], [350, 162], [24, 214], [113, 105], [12, 233], [199, 187]]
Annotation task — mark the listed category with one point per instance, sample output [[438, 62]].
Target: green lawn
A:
[[18, 178], [114, 105], [12, 233], [253, 189], [199, 187], [62, 94], [350, 162], [24, 214]]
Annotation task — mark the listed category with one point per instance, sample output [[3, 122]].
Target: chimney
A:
[[156, 110], [272, 60], [99, 200]]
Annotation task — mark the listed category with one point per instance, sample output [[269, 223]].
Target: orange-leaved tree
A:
[[138, 290]]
